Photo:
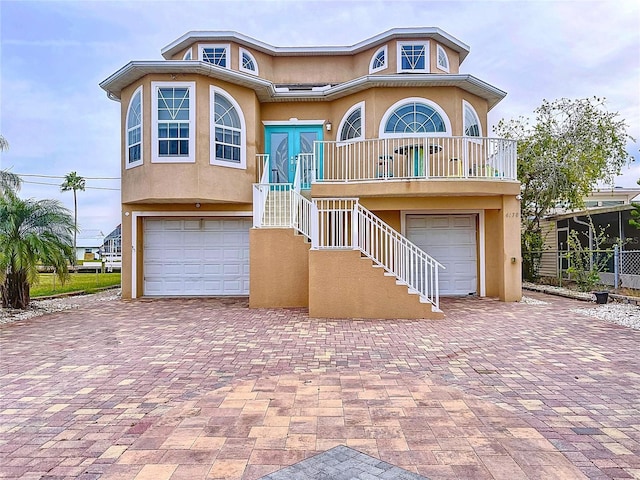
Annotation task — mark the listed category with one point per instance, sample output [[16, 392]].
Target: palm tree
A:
[[8, 180], [31, 231], [73, 181]]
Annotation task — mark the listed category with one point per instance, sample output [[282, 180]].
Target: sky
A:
[[53, 55]]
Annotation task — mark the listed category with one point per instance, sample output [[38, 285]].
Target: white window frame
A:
[[227, 48], [440, 49], [359, 105], [466, 105], [244, 51], [212, 132], [399, 103], [426, 68], [187, 54], [128, 165], [155, 157], [385, 50]]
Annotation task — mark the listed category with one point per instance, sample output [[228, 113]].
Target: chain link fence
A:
[[622, 268]]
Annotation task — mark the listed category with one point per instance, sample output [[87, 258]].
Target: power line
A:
[[56, 176], [56, 185]]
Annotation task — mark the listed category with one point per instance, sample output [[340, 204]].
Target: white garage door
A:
[[450, 239], [208, 256]]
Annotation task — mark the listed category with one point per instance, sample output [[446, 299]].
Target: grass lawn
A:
[[88, 282]]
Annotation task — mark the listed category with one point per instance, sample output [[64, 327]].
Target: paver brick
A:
[[492, 388]]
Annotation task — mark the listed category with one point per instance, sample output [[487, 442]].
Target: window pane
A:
[[184, 147], [163, 147]]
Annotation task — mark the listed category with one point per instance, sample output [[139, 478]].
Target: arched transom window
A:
[[352, 125], [379, 60], [248, 62], [227, 137], [415, 117], [443, 59], [134, 130]]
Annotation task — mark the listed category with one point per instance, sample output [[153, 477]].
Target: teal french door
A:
[[283, 144]]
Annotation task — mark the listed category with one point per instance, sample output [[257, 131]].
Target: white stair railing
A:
[[344, 223], [394, 252], [280, 205]]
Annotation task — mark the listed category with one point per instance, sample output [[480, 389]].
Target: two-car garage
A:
[[209, 256], [206, 256]]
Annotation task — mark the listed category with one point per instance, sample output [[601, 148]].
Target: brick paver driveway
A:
[[206, 388]]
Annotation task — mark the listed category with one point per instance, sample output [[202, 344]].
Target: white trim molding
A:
[[241, 67], [155, 155], [142, 214], [481, 248], [424, 45], [429, 103], [227, 53], [213, 91], [442, 66], [357, 106], [139, 162], [385, 51]]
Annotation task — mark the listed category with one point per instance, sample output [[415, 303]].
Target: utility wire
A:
[[56, 176], [56, 185]]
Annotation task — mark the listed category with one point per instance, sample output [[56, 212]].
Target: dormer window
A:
[[379, 60], [443, 59], [216, 54], [187, 55], [413, 57], [248, 62]]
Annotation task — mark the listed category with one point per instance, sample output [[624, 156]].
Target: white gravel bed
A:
[[42, 307], [624, 314], [532, 301]]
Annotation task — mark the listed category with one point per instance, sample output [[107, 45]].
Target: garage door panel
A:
[[450, 239], [196, 257]]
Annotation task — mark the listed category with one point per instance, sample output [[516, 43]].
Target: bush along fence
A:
[[615, 267]]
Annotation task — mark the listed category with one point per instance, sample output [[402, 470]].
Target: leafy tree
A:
[[571, 146], [8, 180], [31, 232], [73, 181]]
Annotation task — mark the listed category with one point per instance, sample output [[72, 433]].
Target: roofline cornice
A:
[[225, 36], [268, 92]]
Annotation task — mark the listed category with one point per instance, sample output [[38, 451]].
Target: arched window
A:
[[472, 127], [379, 60], [352, 124], [227, 131], [414, 116], [443, 59], [134, 130], [187, 55], [248, 62]]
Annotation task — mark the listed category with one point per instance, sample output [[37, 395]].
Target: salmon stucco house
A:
[[359, 180]]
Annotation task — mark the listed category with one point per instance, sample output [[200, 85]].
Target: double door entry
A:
[[284, 143]]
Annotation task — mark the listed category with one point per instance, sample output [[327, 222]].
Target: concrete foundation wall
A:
[[279, 268], [342, 284]]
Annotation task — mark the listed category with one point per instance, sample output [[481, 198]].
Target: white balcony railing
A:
[[415, 158]]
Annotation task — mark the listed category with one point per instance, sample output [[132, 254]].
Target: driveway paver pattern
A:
[[141, 389]]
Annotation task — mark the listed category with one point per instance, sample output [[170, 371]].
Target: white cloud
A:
[[54, 54]]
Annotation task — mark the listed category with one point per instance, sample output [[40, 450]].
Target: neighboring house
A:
[[88, 246], [608, 210], [112, 250], [340, 178]]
